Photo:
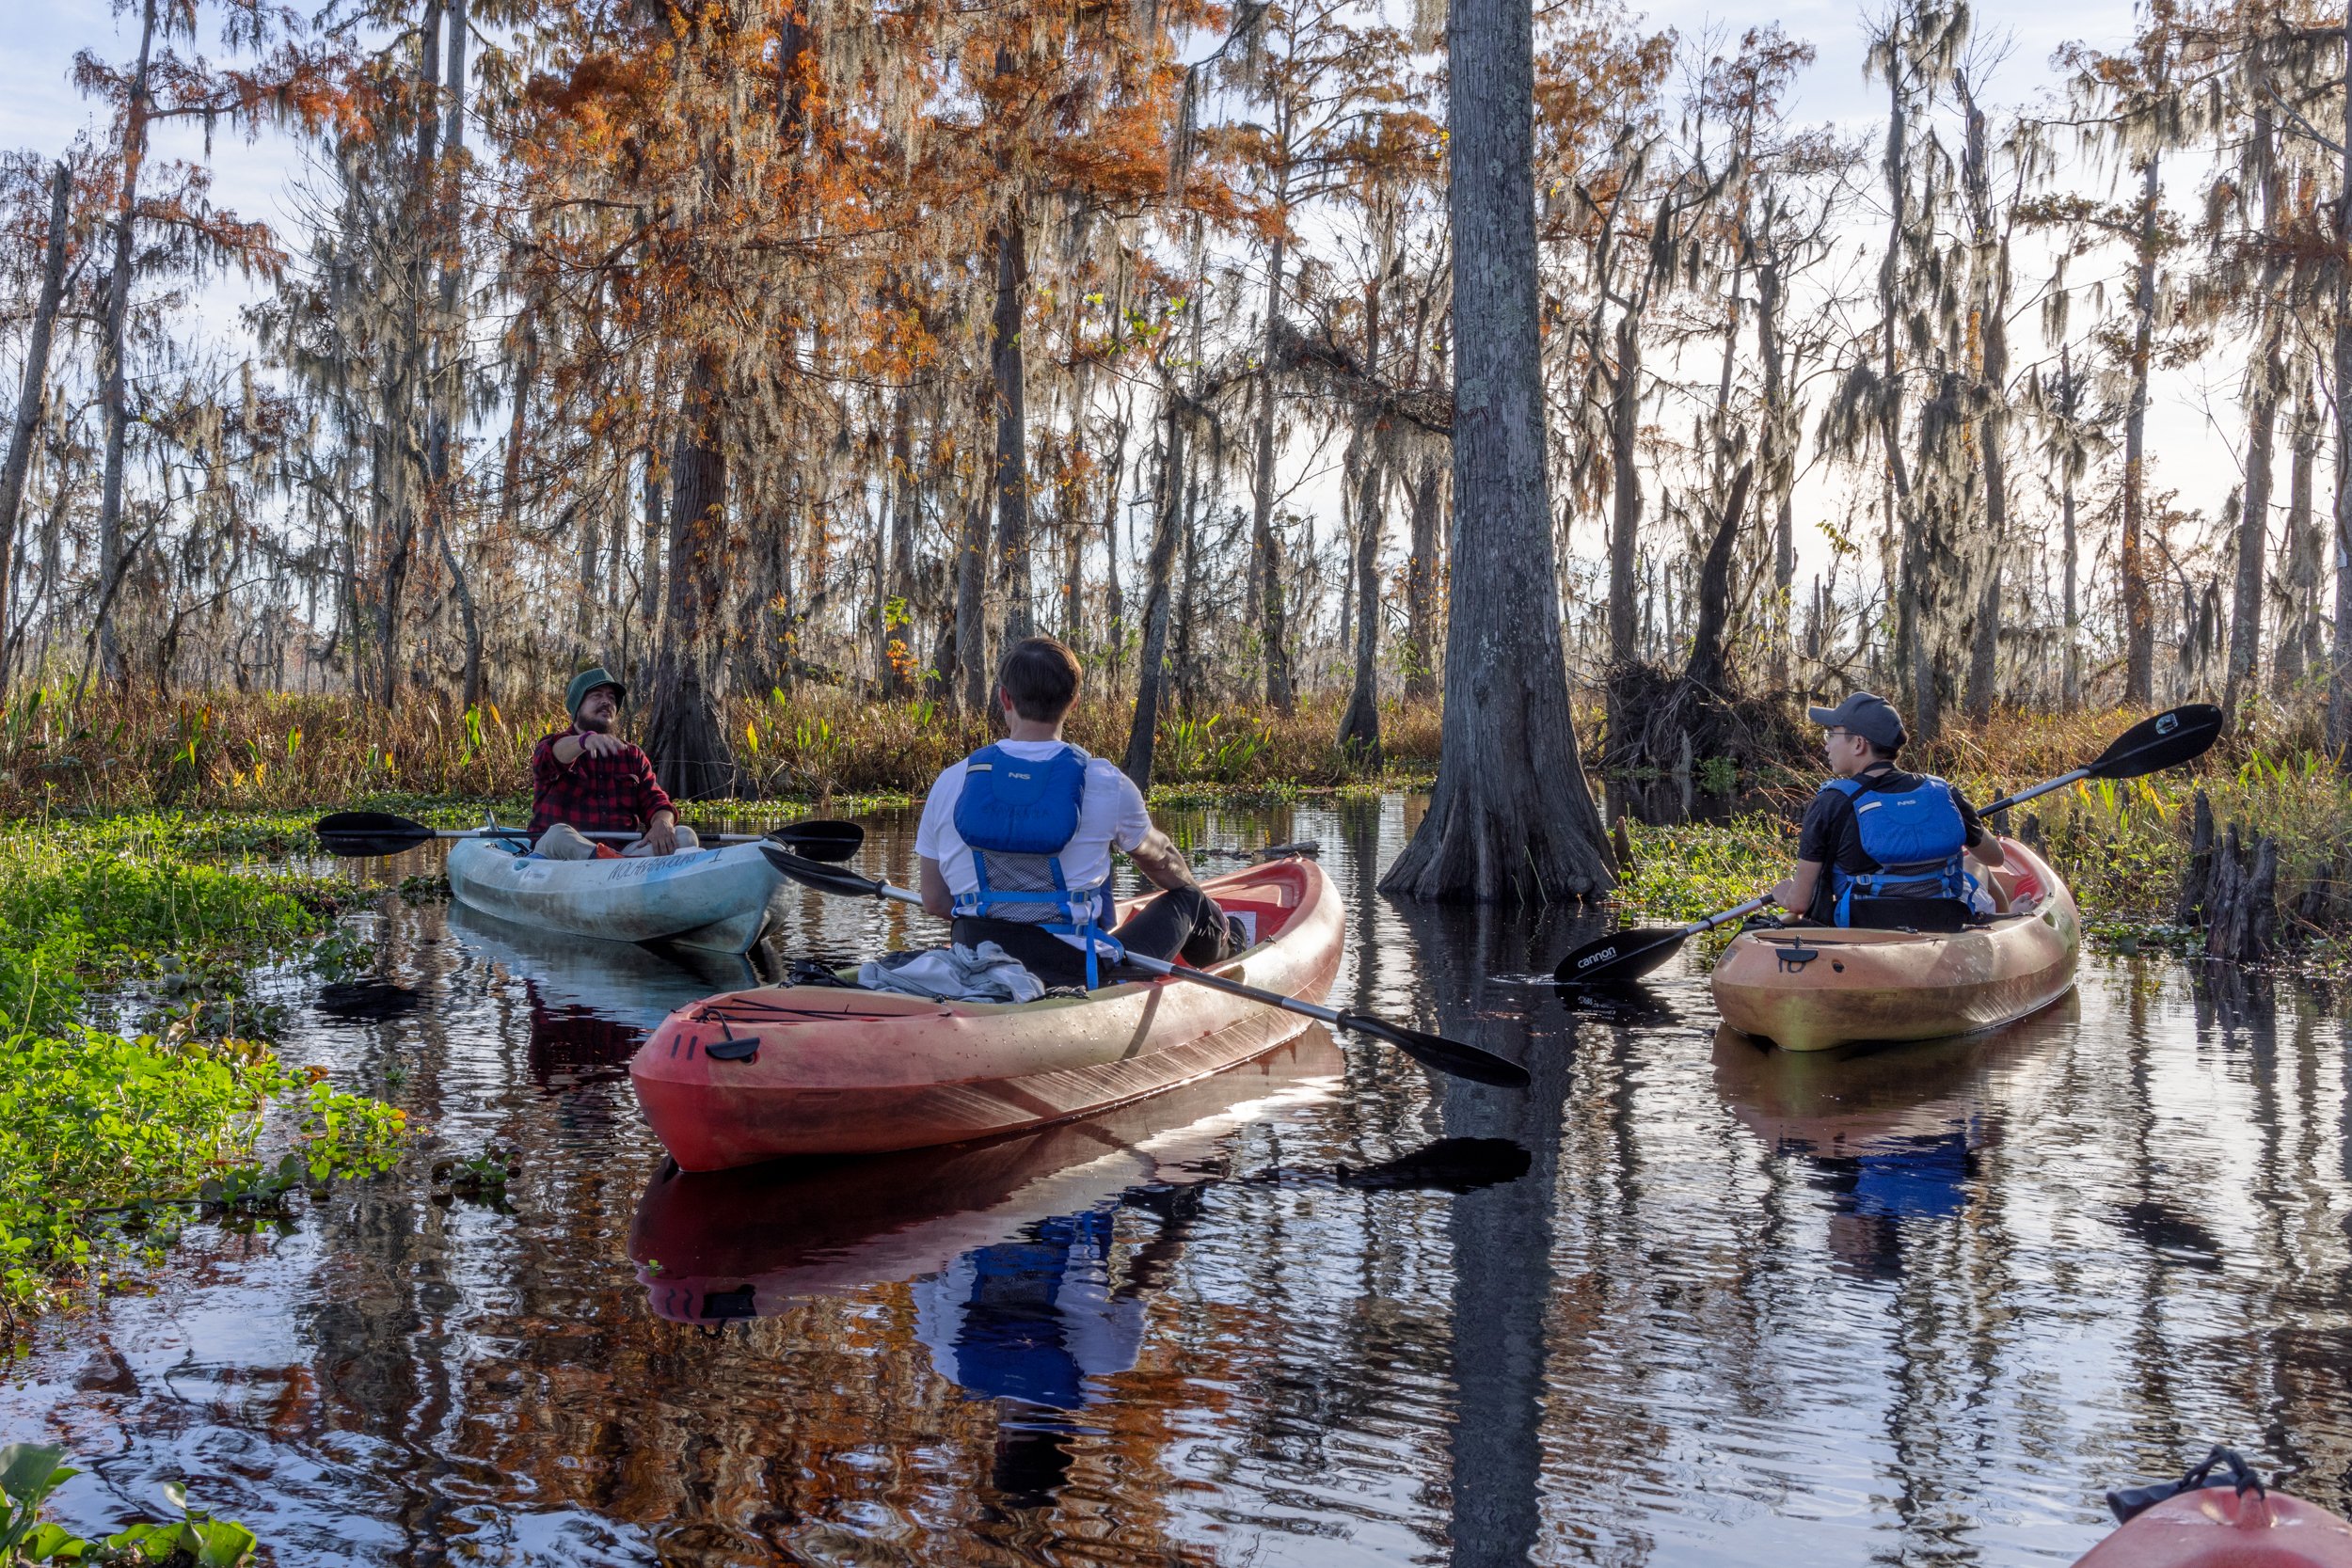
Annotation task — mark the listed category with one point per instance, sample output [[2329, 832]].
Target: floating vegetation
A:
[[29, 1472], [110, 1140]]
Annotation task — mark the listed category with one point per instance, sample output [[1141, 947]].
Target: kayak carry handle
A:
[[2128, 1503]]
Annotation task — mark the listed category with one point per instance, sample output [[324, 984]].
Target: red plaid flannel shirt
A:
[[615, 794]]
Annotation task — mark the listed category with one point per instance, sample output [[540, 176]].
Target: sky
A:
[[40, 109]]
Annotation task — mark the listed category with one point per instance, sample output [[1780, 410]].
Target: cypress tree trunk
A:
[[683, 735], [112, 382], [2299, 633], [1151, 678], [449, 379], [1184, 673], [1777, 460], [1989, 284], [649, 567], [1705, 666], [2253, 534], [971, 582], [1265, 542], [1421, 585], [1114, 496], [2070, 679], [2070, 676], [469, 690], [898, 577], [2140, 621], [1625, 512], [1511, 816], [1007, 376], [2340, 650], [1360, 726], [30, 396], [1902, 519], [2265, 380]]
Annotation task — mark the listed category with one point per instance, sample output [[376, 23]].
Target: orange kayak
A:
[[1810, 988], [815, 1070]]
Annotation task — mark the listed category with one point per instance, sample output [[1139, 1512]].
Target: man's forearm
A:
[[1165, 868]]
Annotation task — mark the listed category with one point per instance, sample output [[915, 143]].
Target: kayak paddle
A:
[[358, 834], [1623, 956], [2164, 740], [1435, 1051]]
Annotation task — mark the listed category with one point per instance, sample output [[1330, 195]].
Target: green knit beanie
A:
[[587, 681]]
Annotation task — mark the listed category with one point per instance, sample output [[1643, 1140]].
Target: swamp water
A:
[[1917, 1306]]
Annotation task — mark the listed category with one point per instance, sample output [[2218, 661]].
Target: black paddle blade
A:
[[819, 839], [1435, 1051], [1450, 1165], [824, 878], [362, 834], [1619, 956], [2181, 735]]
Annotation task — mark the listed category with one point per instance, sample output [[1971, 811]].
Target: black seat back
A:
[[1941, 915]]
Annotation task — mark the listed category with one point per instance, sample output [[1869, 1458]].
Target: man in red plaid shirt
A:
[[585, 779]]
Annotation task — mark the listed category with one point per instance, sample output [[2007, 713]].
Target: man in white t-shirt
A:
[[1048, 817]]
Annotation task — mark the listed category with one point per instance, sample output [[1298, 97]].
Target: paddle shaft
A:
[[1198, 976], [2036, 792], [1760, 901]]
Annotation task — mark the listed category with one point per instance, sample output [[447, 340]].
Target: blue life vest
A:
[[1916, 837], [1017, 817]]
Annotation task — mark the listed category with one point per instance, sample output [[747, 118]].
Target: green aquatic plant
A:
[[109, 1141], [101, 1137], [1682, 872], [29, 1472]]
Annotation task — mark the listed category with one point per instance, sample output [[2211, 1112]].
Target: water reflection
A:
[[1684, 1301], [792, 1229]]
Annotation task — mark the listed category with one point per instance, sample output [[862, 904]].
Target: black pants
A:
[[1182, 920]]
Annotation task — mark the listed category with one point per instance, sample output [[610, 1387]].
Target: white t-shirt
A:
[[1110, 813]]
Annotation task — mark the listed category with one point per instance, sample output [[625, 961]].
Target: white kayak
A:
[[717, 900]]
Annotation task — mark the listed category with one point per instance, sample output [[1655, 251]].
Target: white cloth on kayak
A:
[[564, 842], [956, 973], [1111, 814]]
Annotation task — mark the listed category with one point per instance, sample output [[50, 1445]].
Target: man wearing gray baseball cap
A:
[[1881, 847]]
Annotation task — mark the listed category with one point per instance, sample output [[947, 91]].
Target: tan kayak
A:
[[1811, 988]]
